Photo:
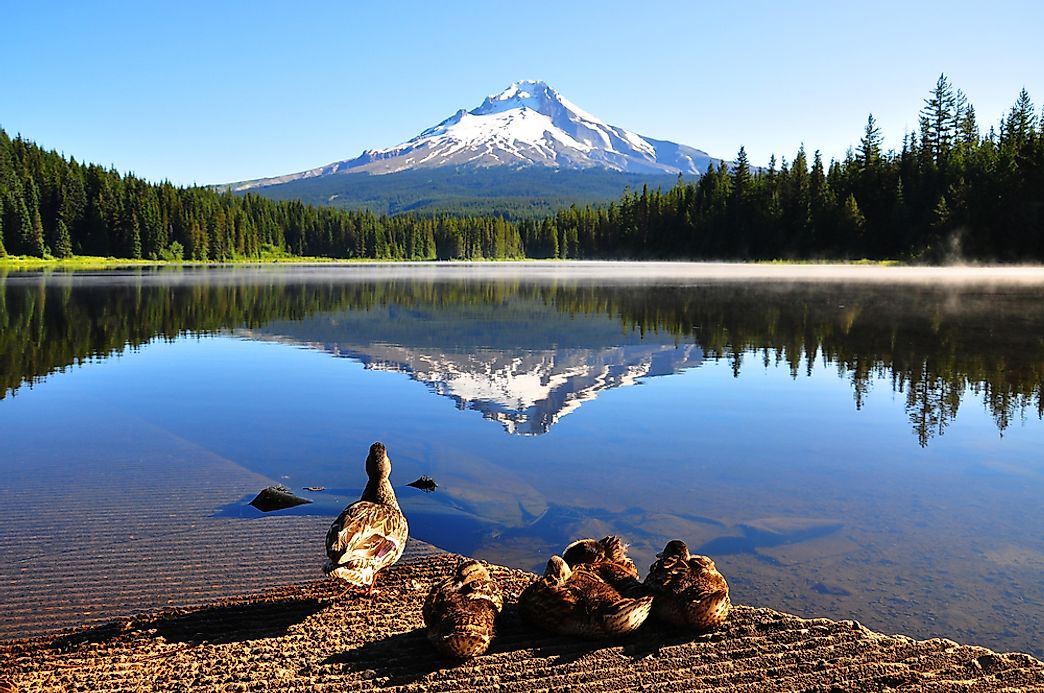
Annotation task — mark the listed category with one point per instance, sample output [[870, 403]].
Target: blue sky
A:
[[223, 91]]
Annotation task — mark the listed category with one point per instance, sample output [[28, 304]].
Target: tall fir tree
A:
[[1020, 125], [937, 121], [868, 155], [61, 247]]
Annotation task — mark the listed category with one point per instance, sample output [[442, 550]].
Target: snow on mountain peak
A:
[[522, 89], [531, 124], [535, 95], [526, 124]]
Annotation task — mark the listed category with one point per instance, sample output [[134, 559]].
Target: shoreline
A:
[[309, 637], [533, 271]]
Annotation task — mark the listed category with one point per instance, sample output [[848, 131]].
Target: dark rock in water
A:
[[276, 498], [314, 488], [832, 590], [425, 483]]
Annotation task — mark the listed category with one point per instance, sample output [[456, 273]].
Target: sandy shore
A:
[[309, 637]]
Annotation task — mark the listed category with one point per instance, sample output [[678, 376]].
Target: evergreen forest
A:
[[952, 192]]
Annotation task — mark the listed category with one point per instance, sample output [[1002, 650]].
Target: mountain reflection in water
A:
[[527, 387], [527, 353]]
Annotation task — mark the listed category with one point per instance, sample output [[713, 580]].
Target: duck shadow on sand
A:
[[219, 624], [405, 658]]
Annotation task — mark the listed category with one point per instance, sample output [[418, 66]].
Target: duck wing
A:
[[672, 575], [623, 577], [549, 606], [365, 538], [584, 605], [470, 583], [460, 612], [709, 610], [687, 593]]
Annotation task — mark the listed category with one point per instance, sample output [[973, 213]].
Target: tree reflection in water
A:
[[935, 344]]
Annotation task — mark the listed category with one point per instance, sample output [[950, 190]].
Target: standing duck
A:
[[688, 589], [370, 534], [608, 558], [579, 602], [460, 611]]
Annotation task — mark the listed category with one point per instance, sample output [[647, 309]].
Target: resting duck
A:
[[460, 611], [370, 534], [579, 602], [688, 589], [608, 558]]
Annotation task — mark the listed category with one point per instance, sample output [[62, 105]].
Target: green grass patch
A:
[[862, 261], [91, 262]]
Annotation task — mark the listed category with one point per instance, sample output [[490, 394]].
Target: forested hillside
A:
[[56, 206], [512, 193], [950, 192]]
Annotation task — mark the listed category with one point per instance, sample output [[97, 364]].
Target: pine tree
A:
[[967, 127], [822, 203], [869, 153], [135, 238], [32, 233], [62, 245], [1020, 127], [938, 121], [852, 225], [22, 231], [941, 214], [741, 175]]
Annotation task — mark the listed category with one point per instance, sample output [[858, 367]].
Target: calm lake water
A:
[[854, 446]]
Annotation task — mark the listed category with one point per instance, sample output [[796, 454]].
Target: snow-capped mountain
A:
[[528, 124]]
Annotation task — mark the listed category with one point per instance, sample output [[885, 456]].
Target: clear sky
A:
[[212, 92]]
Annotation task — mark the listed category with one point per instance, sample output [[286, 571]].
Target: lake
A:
[[851, 443]]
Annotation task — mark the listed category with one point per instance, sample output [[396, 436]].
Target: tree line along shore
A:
[[952, 191]]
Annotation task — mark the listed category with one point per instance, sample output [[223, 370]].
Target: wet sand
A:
[[310, 637]]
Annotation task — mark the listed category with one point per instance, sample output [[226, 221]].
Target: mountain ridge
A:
[[527, 125]]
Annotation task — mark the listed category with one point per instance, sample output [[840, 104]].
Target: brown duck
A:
[[370, 534], [460, 611], [608, 558], [580, 602], [688, 589]]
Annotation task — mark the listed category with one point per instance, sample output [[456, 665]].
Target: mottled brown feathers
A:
[[688, 589], [607, 558], [461, 611], [370, 534], [580, 602]]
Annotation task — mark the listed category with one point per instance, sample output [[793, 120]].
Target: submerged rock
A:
[[425, 483], [276, 498]]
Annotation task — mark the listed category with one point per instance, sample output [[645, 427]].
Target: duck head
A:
[[582, 551], [471, 570], [675, 548], [378, 466], [610, 548]]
